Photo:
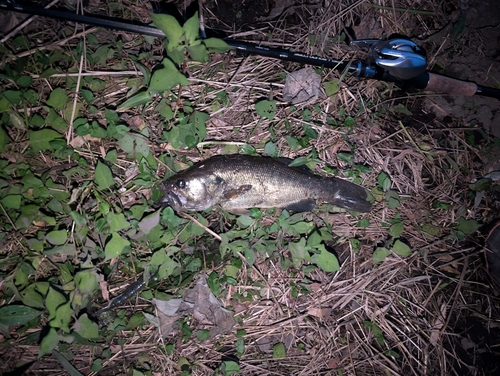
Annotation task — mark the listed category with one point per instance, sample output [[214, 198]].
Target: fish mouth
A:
[[172, 200]]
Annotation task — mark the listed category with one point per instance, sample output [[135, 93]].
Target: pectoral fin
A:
[[231, 194]]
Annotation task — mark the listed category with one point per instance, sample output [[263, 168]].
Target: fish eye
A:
[[180, 183]]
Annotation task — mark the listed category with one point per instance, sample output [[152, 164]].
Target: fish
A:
[[238, 182]]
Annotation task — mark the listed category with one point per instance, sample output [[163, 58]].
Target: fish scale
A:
[[238, 182]]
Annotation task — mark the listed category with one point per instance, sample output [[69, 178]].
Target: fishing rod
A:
[[396, 60]]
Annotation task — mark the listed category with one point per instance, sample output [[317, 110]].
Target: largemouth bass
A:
[[238, 182]]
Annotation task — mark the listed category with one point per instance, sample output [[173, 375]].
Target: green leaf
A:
[[430, 229], [396, 229], [216, 45], [192, 29], [87, 282], [384, 181], [279, 351], [103, 176], [55, 121], [136, 100], [11, 201], [202, 334], [57, 99], [380, 254], [40, 140], [401, 248], [4, 104], [362, 223], [17, 314], [355, 244], [86, 327], [134, 144], [57, 237], [165, 78], [327, 261], [331, 87], [49, 342], [116, 222], [169, 25], [346, 157], [116, 246], [229, 367], [4, 139], [198, 53], [266, 109], [299, 251], [62, 317], [468, 226]]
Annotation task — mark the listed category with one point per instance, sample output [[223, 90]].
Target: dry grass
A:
[[434, 309]]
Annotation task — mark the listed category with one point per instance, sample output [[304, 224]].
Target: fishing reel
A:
[[400, 57]]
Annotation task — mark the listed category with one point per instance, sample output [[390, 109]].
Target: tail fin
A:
[[347, 195]]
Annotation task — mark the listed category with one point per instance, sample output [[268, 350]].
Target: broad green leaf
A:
[[355, 244], [116, 246], [380, 254], [327, 261], [216, 45], [4, 139], [11, 201], [396, 229], [392, 199], [198, 53], [57, 99], [299, 251], [401, 248], [54, 299], [384, 181], [117, 222], [31, 296], [468, 226], [49, 342], [135, 144], [17, 314], [191, 29], [165, 78], [202, 335], [55, 121], [63, 317], [103, 176], [86, 328], [271, 149], [87, 281], [40, 140], [169, 25], [14, 96], [299, 161], [266, 109], [229, 367], [430, 229], [57, 237], [4, 104], [365, 222], [331, 87], [279, 351]]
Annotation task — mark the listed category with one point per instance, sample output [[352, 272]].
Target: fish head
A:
[[191, 191]]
